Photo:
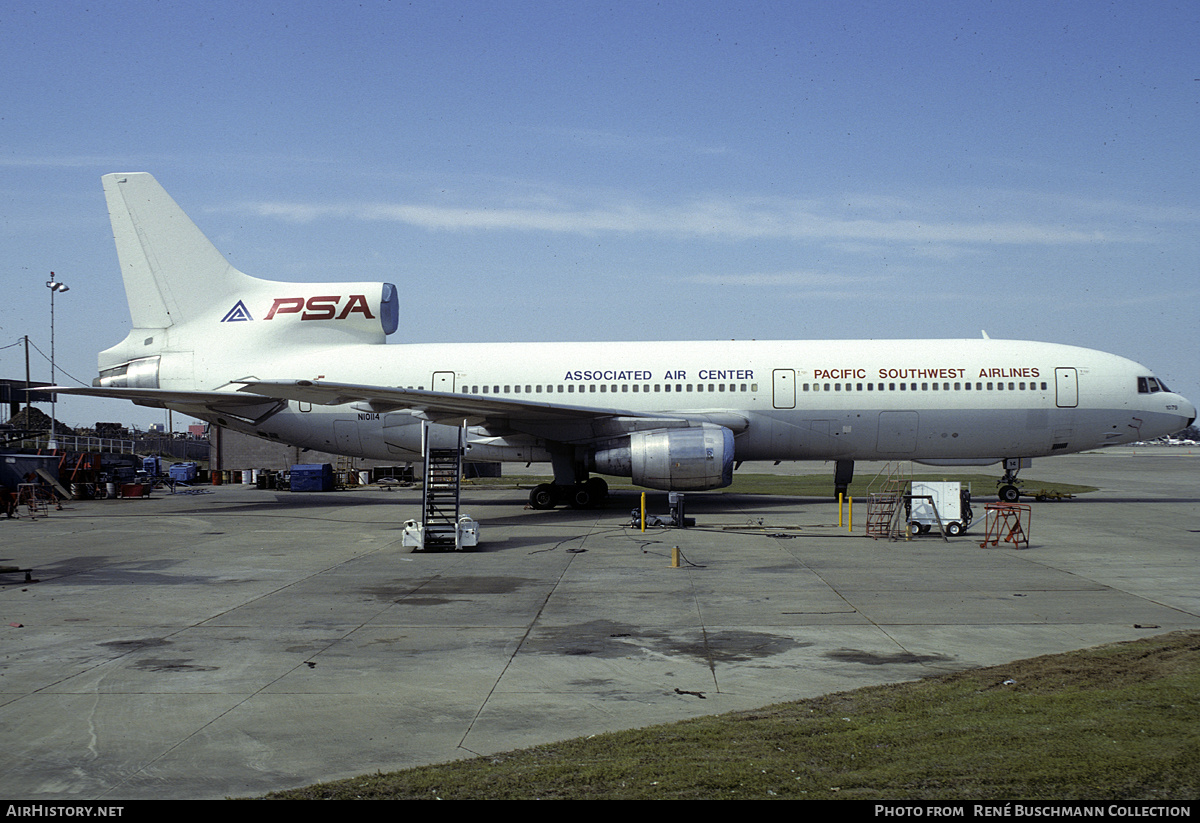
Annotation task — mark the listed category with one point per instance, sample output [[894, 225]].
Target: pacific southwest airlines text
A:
[[818, 374]]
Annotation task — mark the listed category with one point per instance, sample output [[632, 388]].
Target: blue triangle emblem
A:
[[238, 312]]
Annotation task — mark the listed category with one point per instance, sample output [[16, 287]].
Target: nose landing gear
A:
[[1010, 491]]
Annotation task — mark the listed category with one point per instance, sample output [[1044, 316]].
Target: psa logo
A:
[[321, 308], [324, 307]]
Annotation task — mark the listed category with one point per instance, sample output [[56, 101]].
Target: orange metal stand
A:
[[1007, 523]]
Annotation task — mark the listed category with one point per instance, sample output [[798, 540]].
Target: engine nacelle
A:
[[363, 308], [690, 459]]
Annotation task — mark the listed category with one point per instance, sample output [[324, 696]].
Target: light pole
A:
[[54, 286]]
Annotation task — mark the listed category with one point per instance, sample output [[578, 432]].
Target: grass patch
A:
[[805, 485], [1117, 723]]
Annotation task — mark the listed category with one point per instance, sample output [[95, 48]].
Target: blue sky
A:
[[624, 170]]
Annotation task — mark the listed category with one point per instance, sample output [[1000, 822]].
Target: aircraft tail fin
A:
[[188, 303], [171, 271]]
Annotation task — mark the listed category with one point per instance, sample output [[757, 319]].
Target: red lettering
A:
[[838, 374], [358, 303], [285, 305], [321, 308]]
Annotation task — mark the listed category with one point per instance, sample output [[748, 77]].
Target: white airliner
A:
[[306, 364]]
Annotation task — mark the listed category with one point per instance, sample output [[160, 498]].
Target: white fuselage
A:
[[944, 400]]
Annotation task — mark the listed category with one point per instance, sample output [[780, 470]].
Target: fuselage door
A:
[[784, 385], [1066, 387], [443, 381], [898, 432]]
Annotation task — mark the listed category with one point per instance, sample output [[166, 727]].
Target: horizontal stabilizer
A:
[[156, 397]]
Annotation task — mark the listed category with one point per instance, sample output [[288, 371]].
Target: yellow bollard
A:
[[850, 514], [643, 512], [839, 510], [674, 557]]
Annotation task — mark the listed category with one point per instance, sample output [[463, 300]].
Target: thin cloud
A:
[[786, 279], [719, 219]]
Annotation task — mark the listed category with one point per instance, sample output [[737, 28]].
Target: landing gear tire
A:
[[599, 488], [588, 494], [1009, 493], [543, 497], [581, 497]]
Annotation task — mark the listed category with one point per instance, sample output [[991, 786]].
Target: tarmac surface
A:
[[229, 643]]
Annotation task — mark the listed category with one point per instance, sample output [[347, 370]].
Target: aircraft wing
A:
[[556, 421], [257, 399], [437, 405]]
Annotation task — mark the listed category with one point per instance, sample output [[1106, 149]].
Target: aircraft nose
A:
[[1187, 409]]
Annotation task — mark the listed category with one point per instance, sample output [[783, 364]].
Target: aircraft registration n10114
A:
[[306, 364]]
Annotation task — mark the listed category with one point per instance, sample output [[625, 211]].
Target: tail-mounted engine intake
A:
[[371, 307], [672, 459]]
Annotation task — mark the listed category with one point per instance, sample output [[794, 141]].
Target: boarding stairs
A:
[[441, 495], [442, 527]]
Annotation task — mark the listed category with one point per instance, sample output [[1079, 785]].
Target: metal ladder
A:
[[441, 488], [885, 497]]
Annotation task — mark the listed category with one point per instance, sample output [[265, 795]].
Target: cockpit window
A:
[[1150, 385]]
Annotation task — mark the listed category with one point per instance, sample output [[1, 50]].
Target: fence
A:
[[167, 446]]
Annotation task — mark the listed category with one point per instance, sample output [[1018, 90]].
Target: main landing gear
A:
[[584, 495], [843, 475], [571, 486]]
